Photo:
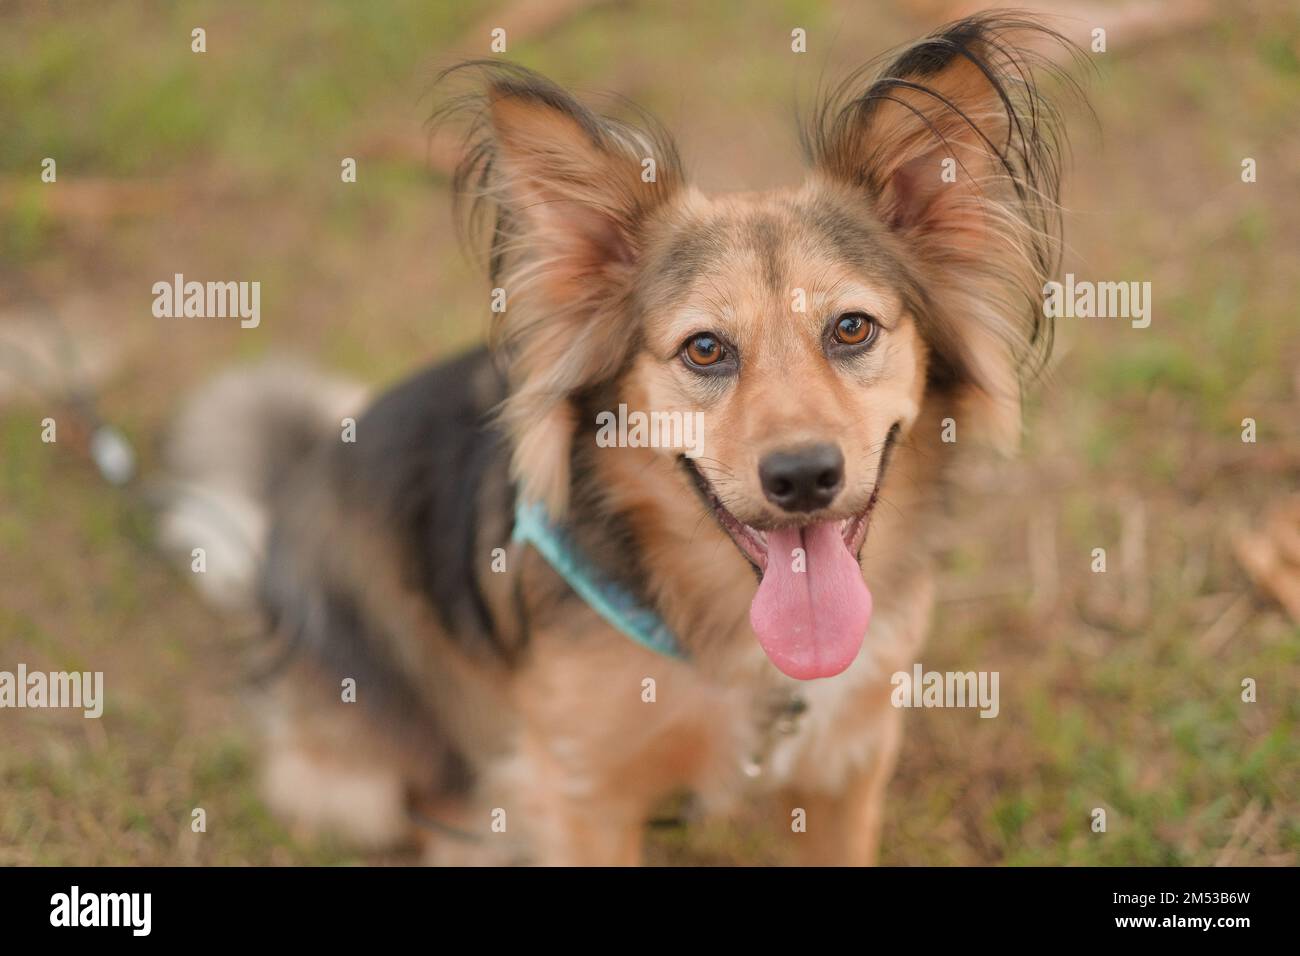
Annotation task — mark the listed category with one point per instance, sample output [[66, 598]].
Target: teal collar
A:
[[606, 597]]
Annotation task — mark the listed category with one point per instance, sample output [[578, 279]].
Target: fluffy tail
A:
[[233, 442]]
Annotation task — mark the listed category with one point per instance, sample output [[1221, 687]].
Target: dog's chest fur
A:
[[725, 742], [834, 726]]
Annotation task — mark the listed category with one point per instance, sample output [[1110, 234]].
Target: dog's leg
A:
[[844, 829], [567, 817], [328, 770]]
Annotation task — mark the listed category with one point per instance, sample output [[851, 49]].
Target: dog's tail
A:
[[232, 445]]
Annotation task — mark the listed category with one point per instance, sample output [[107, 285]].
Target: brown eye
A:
[[703, 350], [855, 328]]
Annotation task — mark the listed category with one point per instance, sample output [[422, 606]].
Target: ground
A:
[[1120, 690]]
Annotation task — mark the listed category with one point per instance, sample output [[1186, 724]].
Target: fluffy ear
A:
[[960, 155], [569, 192]]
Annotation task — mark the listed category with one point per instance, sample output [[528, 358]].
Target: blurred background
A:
[[1120, 690]]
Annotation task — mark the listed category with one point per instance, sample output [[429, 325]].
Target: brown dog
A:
[[551, 622]]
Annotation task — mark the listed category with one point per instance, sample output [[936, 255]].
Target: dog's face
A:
[[807, 327], [785, 320], [785, 323]]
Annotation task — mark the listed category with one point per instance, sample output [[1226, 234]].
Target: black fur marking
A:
[[604, 536], [420, 462], [425, 468], [323, 620]]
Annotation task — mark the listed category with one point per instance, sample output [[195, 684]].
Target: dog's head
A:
[[804, 328]]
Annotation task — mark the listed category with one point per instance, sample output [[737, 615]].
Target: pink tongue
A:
[[811, 611]]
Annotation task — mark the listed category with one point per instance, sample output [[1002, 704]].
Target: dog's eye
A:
[[855, 328], [703, 350]]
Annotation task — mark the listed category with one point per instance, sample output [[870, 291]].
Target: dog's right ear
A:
[[569, 193]]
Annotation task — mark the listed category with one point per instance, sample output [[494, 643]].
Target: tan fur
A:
[[606, 276]]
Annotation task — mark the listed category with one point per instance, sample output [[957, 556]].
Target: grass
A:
[[1112, 697]]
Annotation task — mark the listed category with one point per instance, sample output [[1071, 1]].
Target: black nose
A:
[[802, 479]]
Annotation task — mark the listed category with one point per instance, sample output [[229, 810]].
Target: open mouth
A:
[[754, 543], [812, 606]]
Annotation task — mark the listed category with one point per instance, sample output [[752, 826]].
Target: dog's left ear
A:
[[571, 192], [959, 155]]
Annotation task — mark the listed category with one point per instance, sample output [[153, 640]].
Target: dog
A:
[[512, 630]]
